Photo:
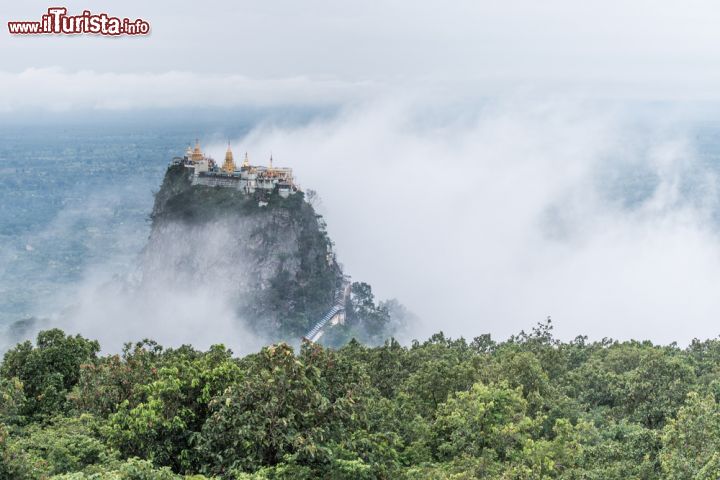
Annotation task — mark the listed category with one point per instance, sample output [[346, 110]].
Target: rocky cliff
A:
[[267, 255]]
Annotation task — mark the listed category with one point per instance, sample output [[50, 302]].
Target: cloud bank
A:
[[39, 90], [526, 209], [479, 220], [58, 90]]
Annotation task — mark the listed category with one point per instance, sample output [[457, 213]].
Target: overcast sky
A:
[[227, 51]]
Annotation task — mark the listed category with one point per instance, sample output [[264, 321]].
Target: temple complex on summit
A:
[[247, 178]]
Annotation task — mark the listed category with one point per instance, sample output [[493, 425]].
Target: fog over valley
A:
[[488, 221]]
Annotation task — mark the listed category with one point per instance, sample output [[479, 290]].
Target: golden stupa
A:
[[197, 155], [229, 165]]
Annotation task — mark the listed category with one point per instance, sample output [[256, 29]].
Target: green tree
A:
[[488, 419], [114, 379], [12, 399], [49, 370], [362, 311], [132, 469], [63, 445], [691, 441], [174, 407], [616, 451], [276, 410]]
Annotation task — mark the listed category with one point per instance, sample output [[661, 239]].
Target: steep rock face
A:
[[272, 261]]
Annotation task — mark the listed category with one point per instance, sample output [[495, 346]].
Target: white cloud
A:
[[58, 90], [483, 222], [531, 209]]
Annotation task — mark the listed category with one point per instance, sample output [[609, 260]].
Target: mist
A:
[[115, 311], [176, 292], [479, 220], [522, 210]]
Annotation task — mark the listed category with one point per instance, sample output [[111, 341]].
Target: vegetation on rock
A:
[[274, 254]]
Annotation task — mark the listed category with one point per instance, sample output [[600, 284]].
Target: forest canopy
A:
[[530, 407]]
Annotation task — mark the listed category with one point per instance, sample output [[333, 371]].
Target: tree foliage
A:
[[529, 408], [48, 370]]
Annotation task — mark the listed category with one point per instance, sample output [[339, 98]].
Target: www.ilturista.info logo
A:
[[57, 21]]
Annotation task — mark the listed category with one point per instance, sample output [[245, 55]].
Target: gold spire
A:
[[246, 162], [229, 165], [197, 154]]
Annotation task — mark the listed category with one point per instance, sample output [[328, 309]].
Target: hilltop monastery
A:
[[248, 178]]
